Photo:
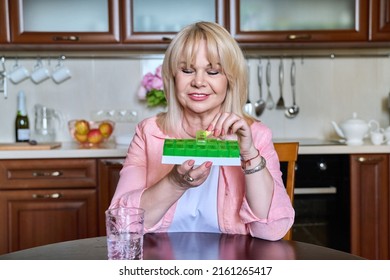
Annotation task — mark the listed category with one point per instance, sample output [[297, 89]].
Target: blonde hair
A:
[[222, 49]]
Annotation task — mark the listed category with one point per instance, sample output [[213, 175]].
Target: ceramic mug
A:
[[18, 74], [40, 73], [377, 137], [61, 73], [387, 135]]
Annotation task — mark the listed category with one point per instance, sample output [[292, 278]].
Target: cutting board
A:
[[27, 146]]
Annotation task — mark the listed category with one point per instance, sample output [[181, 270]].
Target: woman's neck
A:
[[190, 126]]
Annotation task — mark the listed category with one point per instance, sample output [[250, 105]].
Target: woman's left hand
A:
[[225, 124]]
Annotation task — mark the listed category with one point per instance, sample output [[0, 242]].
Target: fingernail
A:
[[209, 164], [191, 162], [210, 127]]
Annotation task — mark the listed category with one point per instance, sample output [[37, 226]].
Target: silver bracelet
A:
[[258, 167]]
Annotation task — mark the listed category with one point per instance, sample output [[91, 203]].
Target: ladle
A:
[[270, 101], [292, 111], [260, 104]]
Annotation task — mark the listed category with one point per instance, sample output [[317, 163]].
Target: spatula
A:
[[248, 108], [280, 103]]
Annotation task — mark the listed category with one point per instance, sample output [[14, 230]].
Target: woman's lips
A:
[[198, 96]]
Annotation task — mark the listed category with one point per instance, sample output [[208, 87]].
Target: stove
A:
[[309, 141]]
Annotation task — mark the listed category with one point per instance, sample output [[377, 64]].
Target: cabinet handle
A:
[[370, 159], [47, 173], [53, 195], [166, 39], [113, 162], [299, 37], [66, 38], [314, 190]]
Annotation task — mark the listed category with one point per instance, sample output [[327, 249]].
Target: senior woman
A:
[[205, 82]]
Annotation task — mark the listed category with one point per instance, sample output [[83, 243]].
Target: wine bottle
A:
[[22, 127]]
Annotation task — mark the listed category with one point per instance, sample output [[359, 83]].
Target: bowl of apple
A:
[[91, 133]]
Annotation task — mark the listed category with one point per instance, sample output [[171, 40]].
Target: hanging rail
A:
[[73, 56], [160, 56], [320, 56]]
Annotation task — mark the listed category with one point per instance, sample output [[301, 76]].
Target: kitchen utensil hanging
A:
[[3, 79], [270, 101], [292, 111], [260, 104], [248, 108], [280, 104]]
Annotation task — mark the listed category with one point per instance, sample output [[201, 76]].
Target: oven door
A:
[[321, 201], [318, 219]]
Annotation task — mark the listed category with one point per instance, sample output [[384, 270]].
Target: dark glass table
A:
[[187, 246]]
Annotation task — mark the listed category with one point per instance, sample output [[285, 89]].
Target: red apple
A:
[[95, 136], [106, 129], [82, 138], [81, 127]]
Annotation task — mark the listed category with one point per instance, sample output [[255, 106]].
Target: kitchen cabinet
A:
[[380, 20], [155, 21], [97, 23], [287, 21], [37, 217], [4, 27], [108, 179], [370, 217], [44, 201], [64, 22], [151, 24]]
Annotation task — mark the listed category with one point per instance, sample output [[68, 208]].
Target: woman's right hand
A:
[[187, 176], [159, 198]]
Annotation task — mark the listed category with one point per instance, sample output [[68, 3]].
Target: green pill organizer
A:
[[201, 149]]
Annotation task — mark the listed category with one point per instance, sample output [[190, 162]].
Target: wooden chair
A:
[[288, 152]]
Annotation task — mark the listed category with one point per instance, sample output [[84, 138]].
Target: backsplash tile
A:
[[326, 90]]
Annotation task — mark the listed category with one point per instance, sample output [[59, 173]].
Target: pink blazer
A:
[[142, 168]]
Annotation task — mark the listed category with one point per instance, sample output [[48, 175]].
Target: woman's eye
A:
[[187, 71], [213, 72]]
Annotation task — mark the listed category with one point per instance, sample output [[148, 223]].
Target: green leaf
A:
[[156, 98]]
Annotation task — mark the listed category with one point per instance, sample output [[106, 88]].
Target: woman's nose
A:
[[198, 80]]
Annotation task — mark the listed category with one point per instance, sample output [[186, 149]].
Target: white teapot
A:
[[354, 130]]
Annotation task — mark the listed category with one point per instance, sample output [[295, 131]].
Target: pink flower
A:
[[158, 71], [149, 83], [141, 93], [157, 83]]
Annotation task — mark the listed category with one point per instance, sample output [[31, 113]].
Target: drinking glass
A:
[[125, 230]]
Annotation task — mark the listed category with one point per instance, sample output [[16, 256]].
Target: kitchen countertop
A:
[[111, 150], [309, 146], [68, 150]]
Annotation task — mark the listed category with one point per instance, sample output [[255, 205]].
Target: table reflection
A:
[[187, 246], [211, 246]]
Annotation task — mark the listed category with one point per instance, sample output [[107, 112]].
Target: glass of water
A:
[[125, 230]]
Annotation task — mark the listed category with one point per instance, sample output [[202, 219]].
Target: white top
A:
[[196, 210]]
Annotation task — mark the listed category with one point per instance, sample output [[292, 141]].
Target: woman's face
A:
[[201, 87]]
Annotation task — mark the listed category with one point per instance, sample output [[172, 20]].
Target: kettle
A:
[[47, 122], [354, 130]]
